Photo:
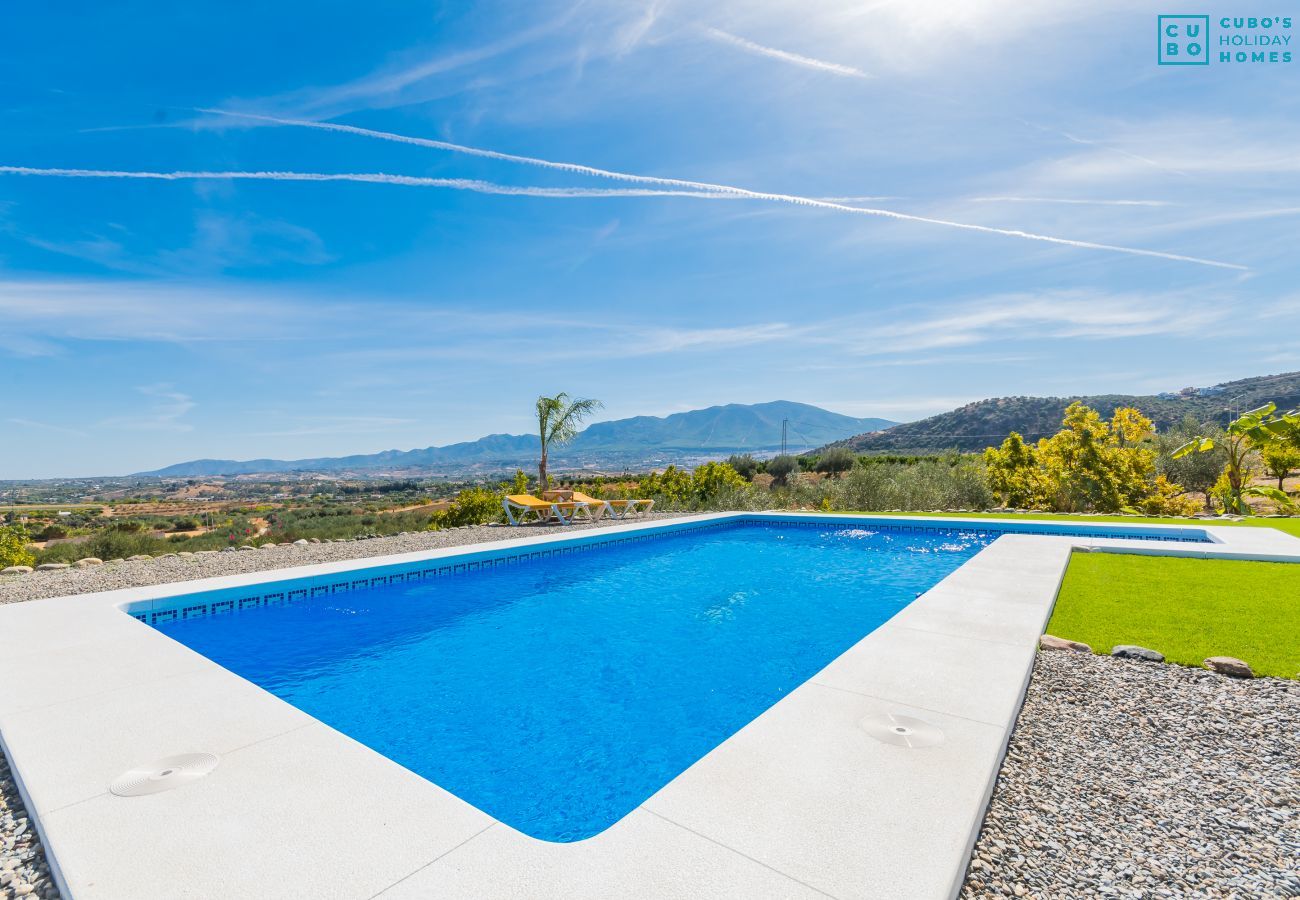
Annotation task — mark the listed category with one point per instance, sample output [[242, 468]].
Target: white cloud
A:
[[806, 62], [392, 85], [1071, 201], [1057, 315]]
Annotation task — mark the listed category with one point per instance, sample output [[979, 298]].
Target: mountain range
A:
[[639, 441], [986, 422]]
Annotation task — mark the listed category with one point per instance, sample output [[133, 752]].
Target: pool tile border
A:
[[156, 612], [772, 804]]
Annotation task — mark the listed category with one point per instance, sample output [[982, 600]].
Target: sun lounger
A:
[[563, 511], [619, 509]]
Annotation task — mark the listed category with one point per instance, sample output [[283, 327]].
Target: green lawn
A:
[[1290, 526], [1187, 609]]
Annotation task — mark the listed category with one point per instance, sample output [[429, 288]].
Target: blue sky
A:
[[145, 321]]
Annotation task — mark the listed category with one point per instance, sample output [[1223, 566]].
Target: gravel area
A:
[[1122, 779], [1137, 779], [23, 872], [163, 569]]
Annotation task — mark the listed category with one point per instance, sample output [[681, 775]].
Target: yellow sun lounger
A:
[[619, 509], [562, 511]]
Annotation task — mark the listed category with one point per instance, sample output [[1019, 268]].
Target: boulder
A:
[[267, 547], [138, 557], [52, 567], [313, 540], [88, 561], [1228, 665], [16, 570], [1052, 642], [246, 547], [301, 542], [1131, 651]]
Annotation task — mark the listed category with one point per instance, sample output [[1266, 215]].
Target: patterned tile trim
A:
[[189, 608]]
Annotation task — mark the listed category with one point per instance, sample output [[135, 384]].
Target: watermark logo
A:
[[1187, 41], [1183, 40]]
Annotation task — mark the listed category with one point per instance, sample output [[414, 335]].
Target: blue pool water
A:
[[558, 694]]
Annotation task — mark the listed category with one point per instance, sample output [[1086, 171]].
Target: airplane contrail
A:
[[807, 62], [578, 168], [461, 184]]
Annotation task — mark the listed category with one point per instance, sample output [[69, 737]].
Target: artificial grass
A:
[[1185, 608], [1289, 525]]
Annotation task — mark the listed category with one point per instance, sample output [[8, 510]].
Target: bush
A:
[[836, 461], [13, 547], [744, 464], [711, 480], [781, 468], [929, 485], [472, 506], [671, 486]]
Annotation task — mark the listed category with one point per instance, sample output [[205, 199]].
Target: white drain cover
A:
[[163, 775], [902, 731]]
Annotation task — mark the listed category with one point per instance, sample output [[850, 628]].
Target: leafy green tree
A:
[[1242, 441], [712, 479], [672, 485], [781, 468], [836, 461], [1013, 473], [744, 464], [558, 421], [1091, 464], [13, 547], [520, 483], [1195, 471], [1281, 455]]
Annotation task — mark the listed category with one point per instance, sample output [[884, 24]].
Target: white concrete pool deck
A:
[[801, 802]]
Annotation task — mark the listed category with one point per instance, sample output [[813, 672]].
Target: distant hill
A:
[[986, 422], [713, 432]]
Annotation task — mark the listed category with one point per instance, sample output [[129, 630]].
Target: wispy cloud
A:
[[1071, 200], [1056, 315], [46, 426], [165, 408], [806, 62], [392, 85], [728, 189]]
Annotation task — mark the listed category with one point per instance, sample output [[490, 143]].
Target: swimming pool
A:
[[557, 690]]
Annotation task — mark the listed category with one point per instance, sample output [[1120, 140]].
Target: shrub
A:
[[781, 468], [744, 464], [1089, 465], [712, 480], [13, 547], [927, 485], [1167, 499], [520, 483], [671, 486], [836, 461], [1195, 471], [472, 506]]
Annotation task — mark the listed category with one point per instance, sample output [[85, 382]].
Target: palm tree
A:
[[558, 419]]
